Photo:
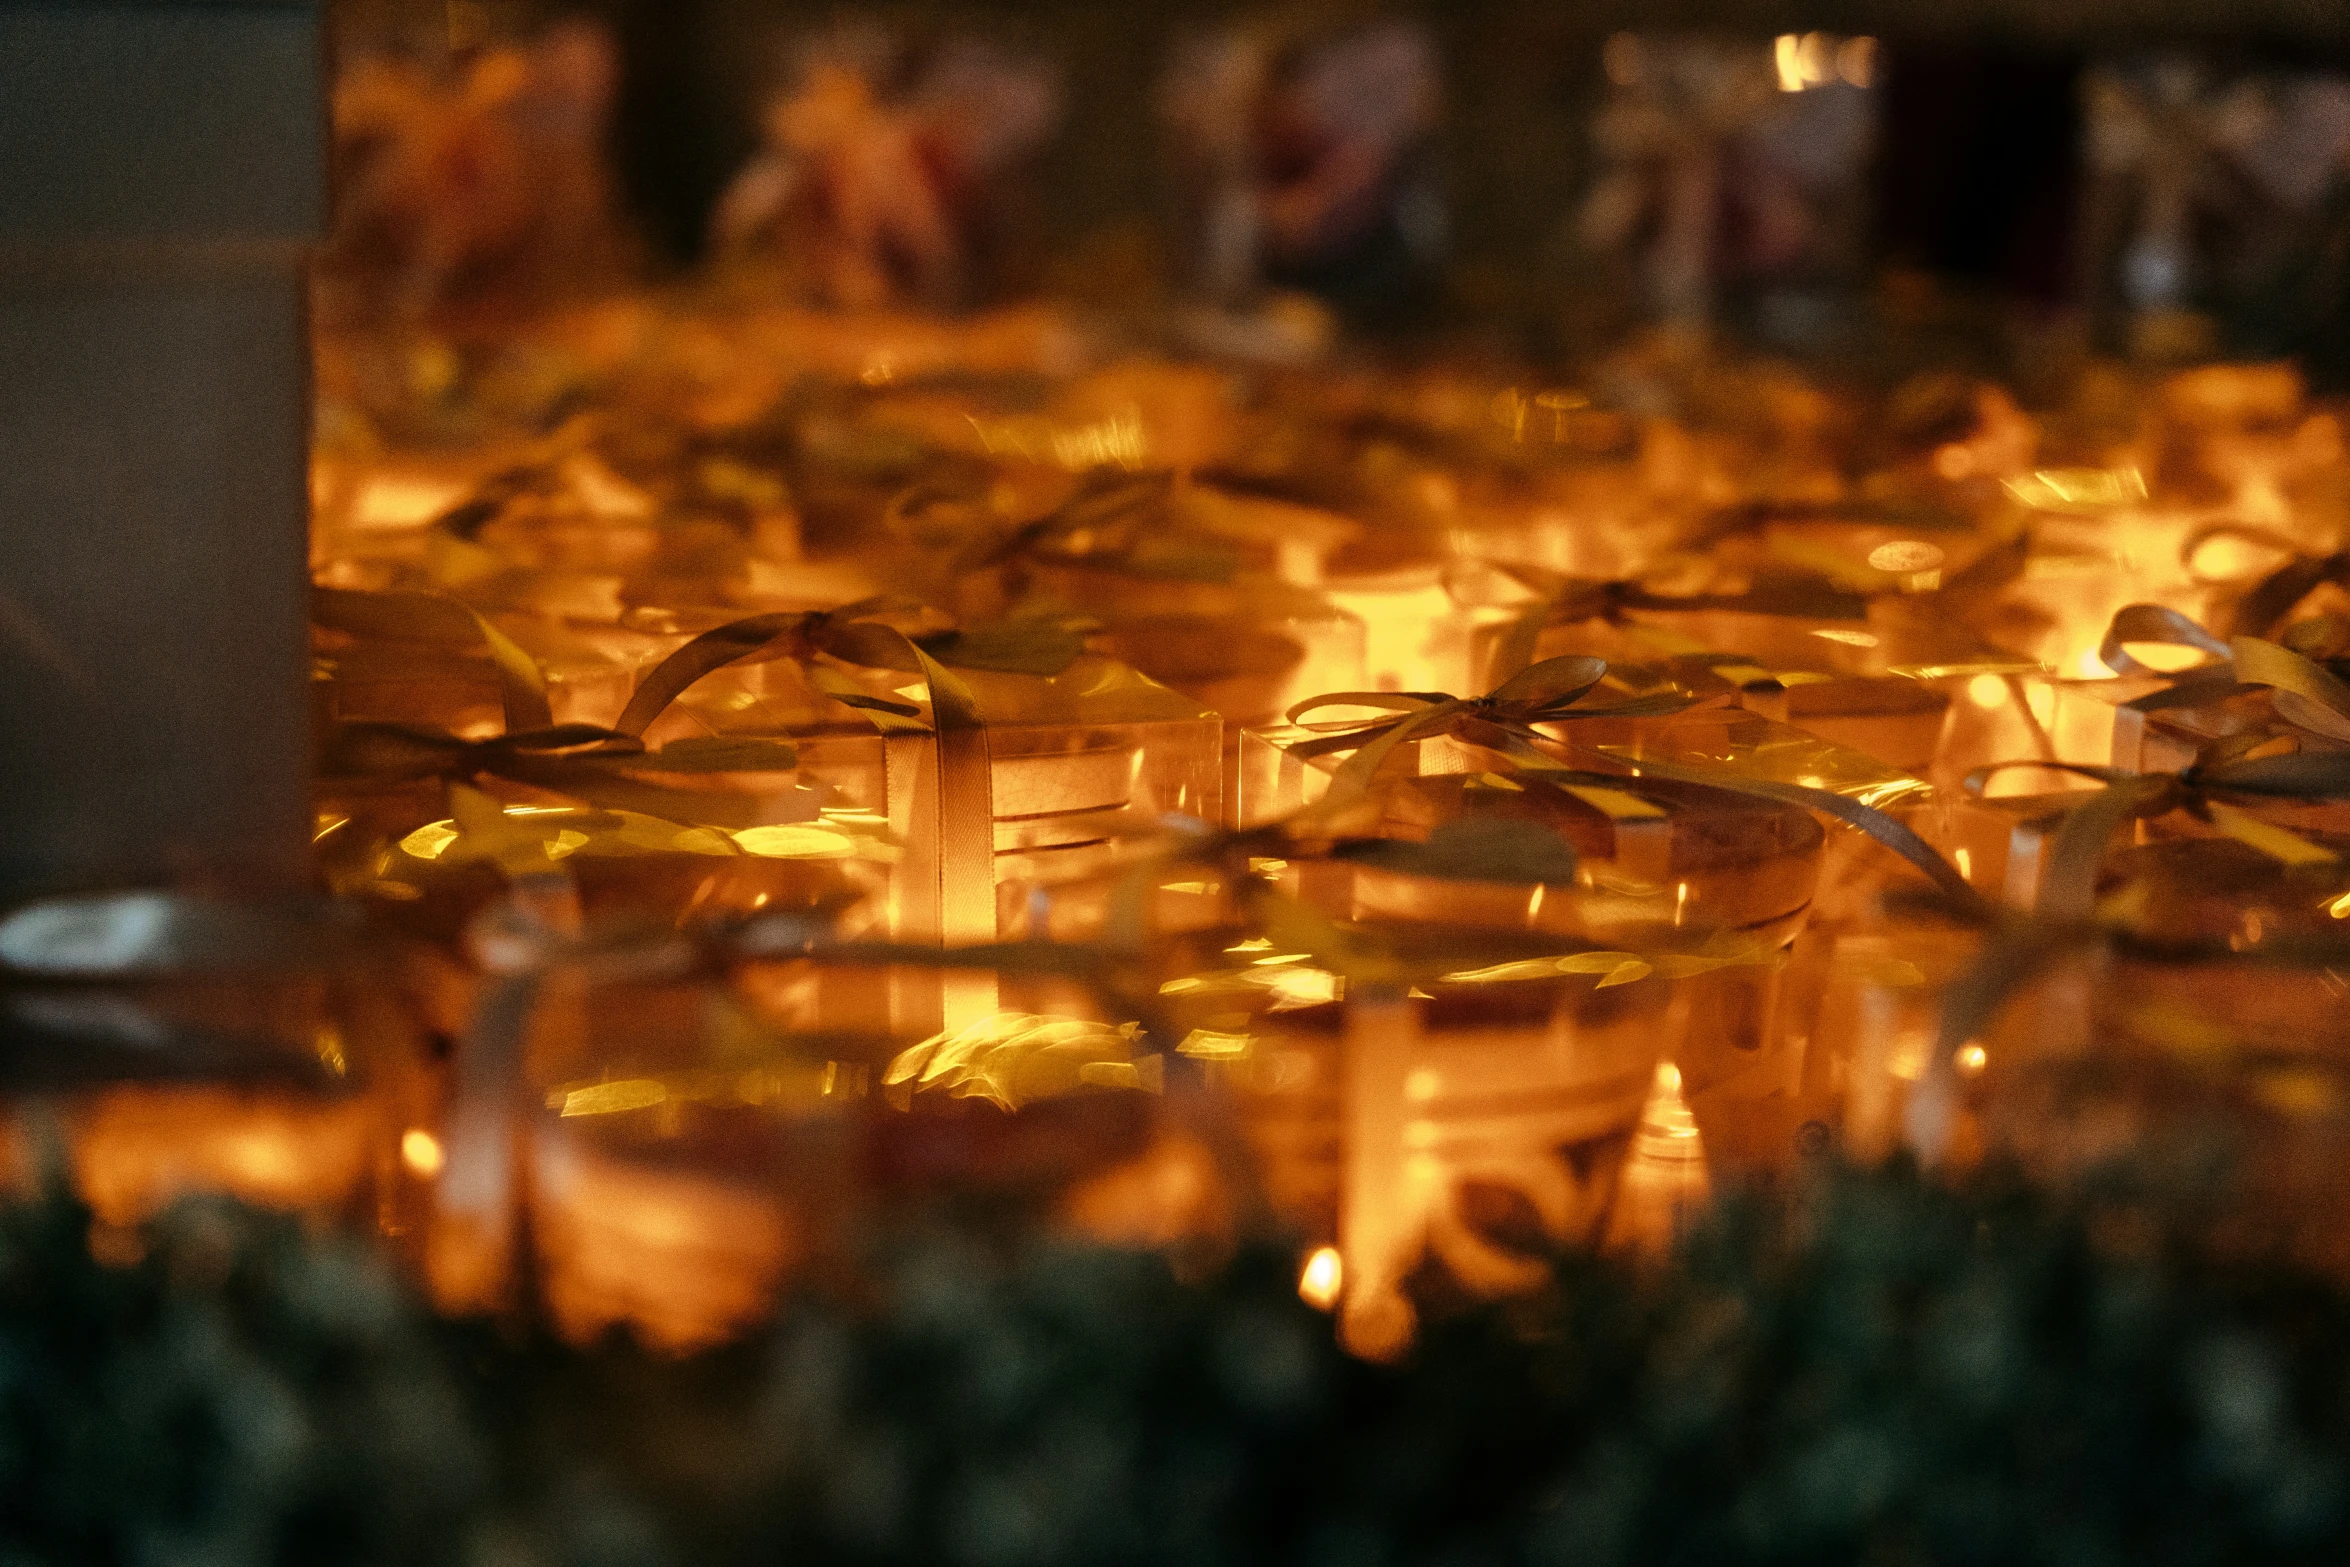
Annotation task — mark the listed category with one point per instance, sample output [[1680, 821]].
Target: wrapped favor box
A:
[[1057, 766]]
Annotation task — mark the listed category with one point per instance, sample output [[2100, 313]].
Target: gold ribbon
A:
[[961, 786], [594, 765], [1566, 601], [2258, 609], [2068, 890], [1550, 692], [2306, 693], [1114, 522]]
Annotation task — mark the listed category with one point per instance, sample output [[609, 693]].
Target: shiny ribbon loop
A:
[[1856, 814], [846, 633], [2139, 623], [2303, 691], [1507, 719], [2306, 693], [2269, 600]]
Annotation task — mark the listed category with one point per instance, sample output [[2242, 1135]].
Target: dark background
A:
[[1975, 188]]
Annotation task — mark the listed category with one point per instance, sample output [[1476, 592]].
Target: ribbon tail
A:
[[2069, 891], [1354, 775], [1893, 834]]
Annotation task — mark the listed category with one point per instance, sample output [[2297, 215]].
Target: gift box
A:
[[1860, 1010], [1730, 171], [1057, 764]]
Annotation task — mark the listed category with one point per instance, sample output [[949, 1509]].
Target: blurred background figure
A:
[[1730, 173], [1303, 157], [887, 171], [471, 180], [2214, 198]]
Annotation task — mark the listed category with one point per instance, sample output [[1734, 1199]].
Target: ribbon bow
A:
[[2068, 890], [1550, 692], [2306, 693]]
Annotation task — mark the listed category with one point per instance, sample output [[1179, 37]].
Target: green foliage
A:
[[1873, 1368], [240, 1393]]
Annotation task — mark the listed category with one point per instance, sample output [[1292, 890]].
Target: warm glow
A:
[[427, 842], [421, 1152], [1324, 1274], [1966, 863], [1987, 691], [1971, 1059], [1786, 55], [1856, 62], [1905, 556], [1803, 60], [1621, 58], [795, 842], [2340, 907]]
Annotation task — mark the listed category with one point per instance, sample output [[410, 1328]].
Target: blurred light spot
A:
[[633, 1093], [1856, 62], [421, 1152], [427, 842], [793, 842], [1906, 555], [1787, 55], [1971, 1059], [1966, 864], [1986, 691], [1324, 1275]]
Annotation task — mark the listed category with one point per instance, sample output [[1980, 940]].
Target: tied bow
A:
[[1550, 692], [2234, 766], [2304, 692], [848, 634]]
